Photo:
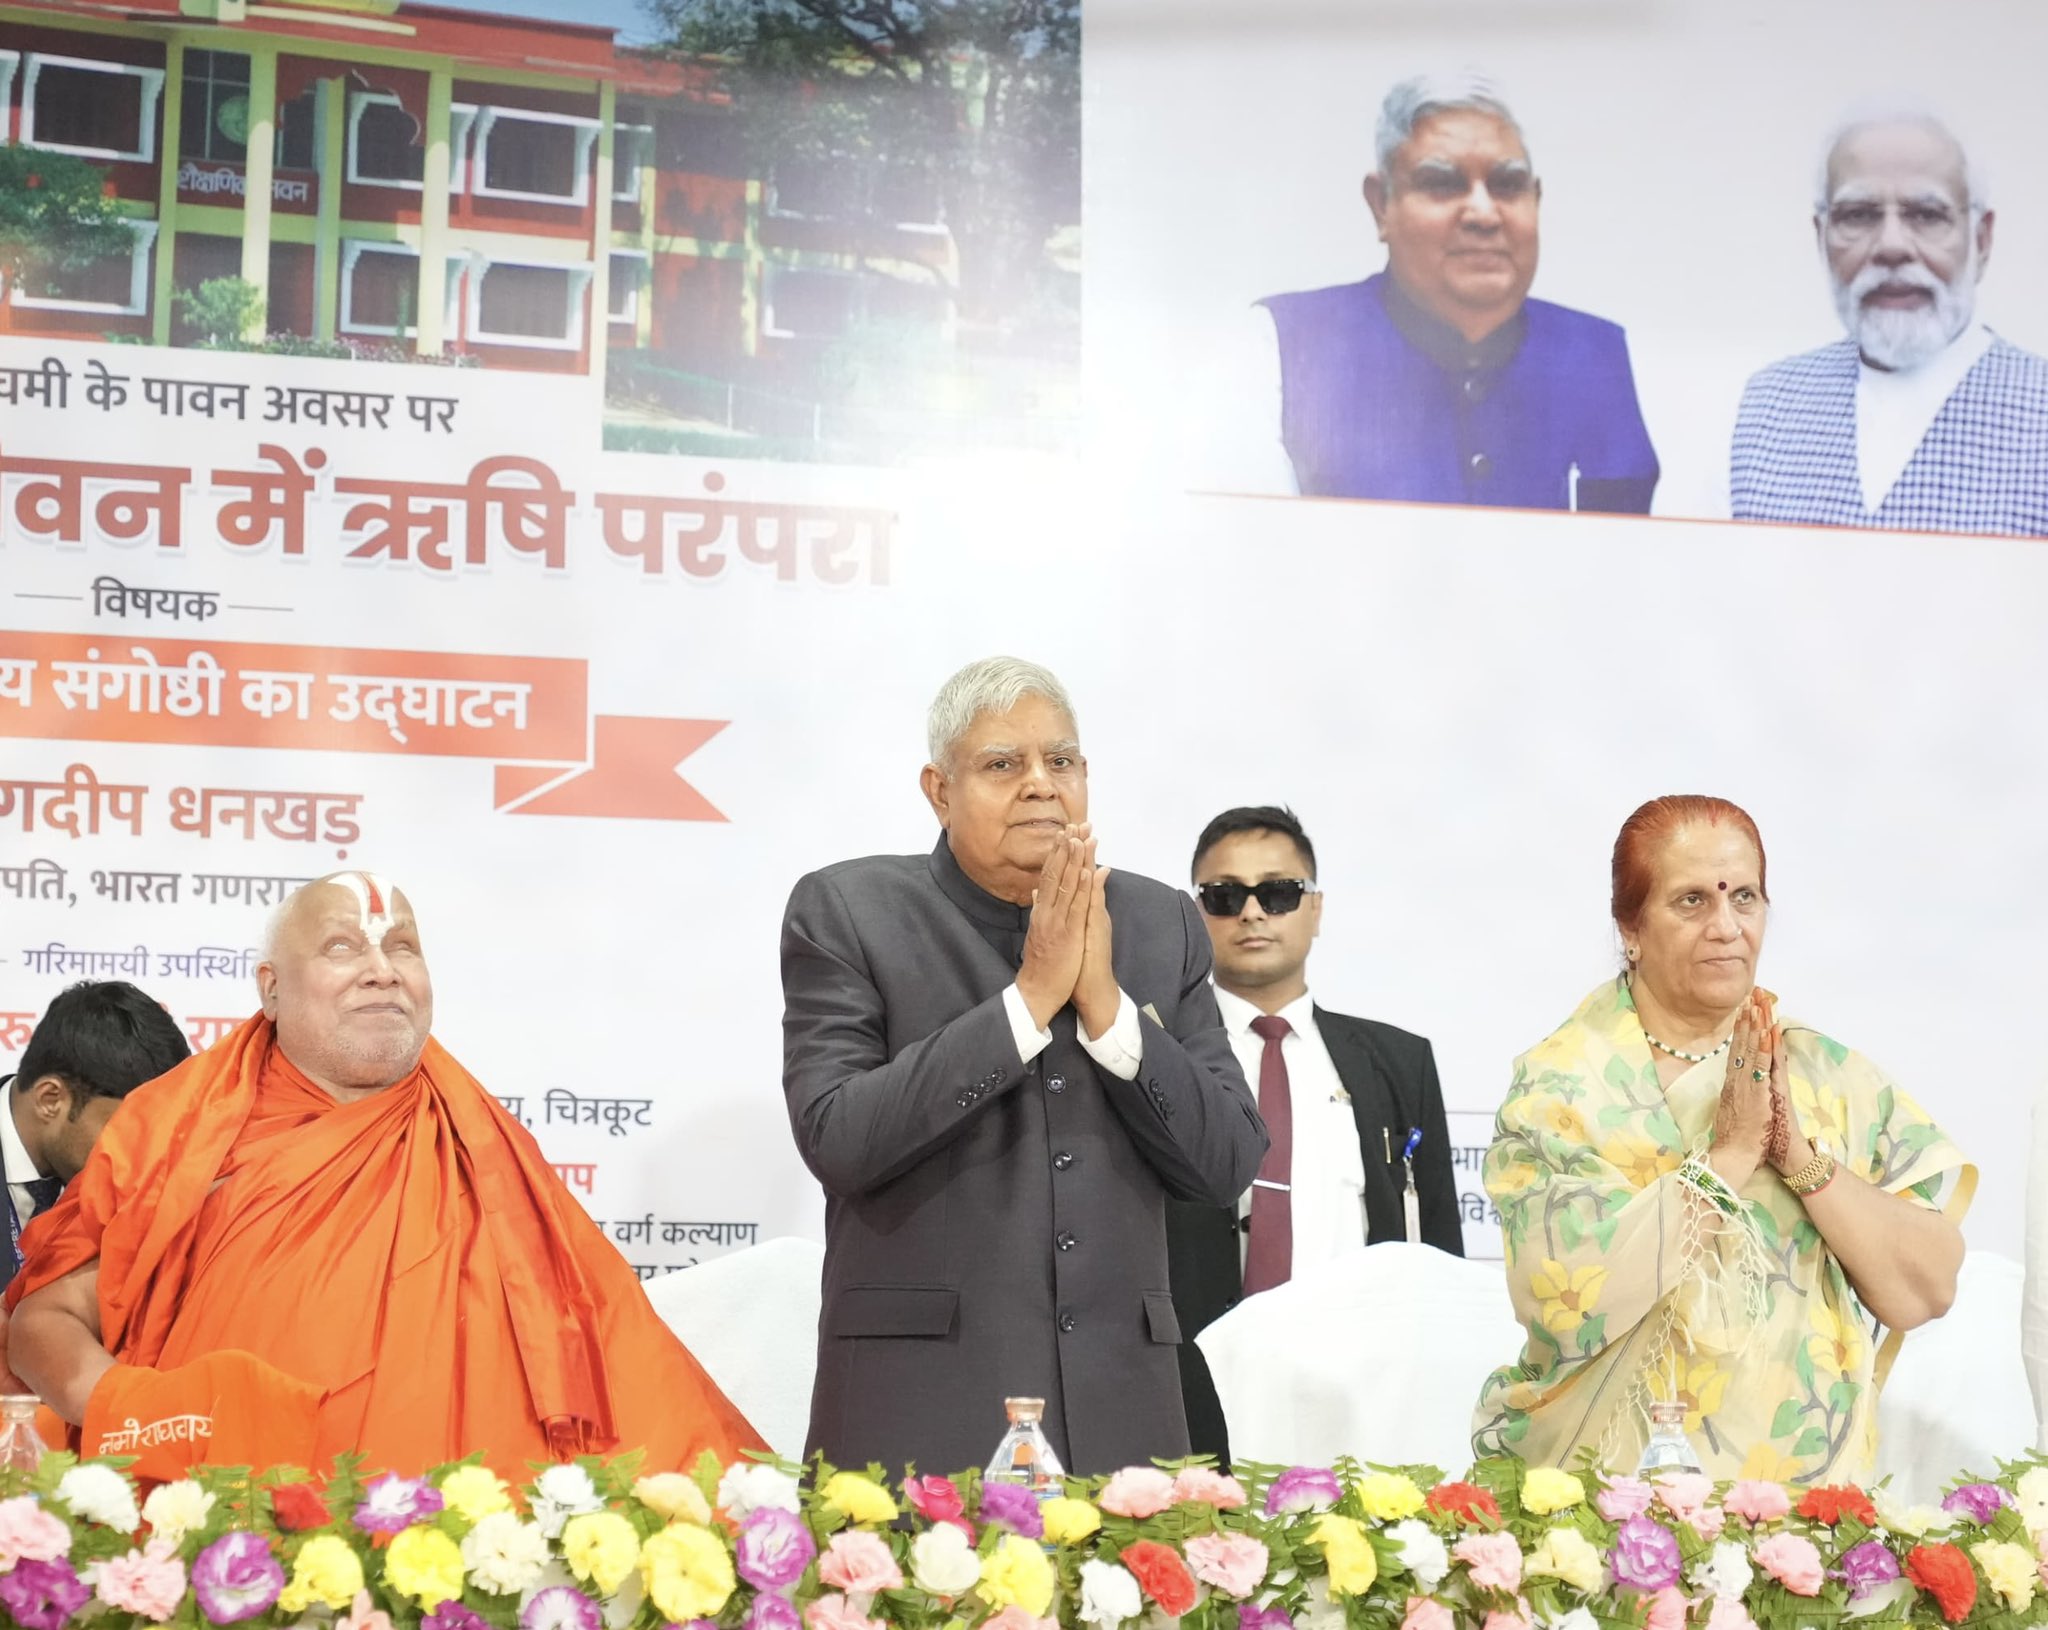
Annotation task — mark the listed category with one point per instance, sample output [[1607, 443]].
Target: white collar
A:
[[20, 1168], [1238, 1013]]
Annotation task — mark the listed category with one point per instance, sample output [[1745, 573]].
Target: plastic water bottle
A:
[[1669, 1449], [21, 1446], [1025, 1456]]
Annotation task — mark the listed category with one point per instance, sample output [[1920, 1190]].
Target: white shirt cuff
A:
[[1120, 1048], [1031, 1041]]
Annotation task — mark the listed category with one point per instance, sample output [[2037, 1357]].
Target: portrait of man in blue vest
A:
[[1439, 380], [1922, 419]]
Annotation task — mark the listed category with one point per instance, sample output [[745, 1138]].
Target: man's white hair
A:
[[1874, 115], [1416, 98], [992, 685]]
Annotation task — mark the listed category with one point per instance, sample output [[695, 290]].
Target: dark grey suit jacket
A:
[[994, 1228]]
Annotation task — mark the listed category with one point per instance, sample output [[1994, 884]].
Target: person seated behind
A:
[[1350, 1091], [1703, 1203], [322, 1234]]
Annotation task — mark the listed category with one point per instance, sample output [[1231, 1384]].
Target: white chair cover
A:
[[1958, 1398], [1378, 1354], [751, 1319]]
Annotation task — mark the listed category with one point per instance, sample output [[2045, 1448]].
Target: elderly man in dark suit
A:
[[998, 1091], [1360, 1152]]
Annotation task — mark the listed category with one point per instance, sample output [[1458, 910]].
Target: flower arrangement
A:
[[763, 1545]]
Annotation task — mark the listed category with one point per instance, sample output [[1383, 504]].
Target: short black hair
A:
[[1254, 818], [102, 1039]]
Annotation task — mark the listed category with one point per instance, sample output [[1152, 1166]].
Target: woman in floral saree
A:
[[1705, 1203]]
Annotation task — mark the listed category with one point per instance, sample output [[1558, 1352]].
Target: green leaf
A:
[[1802, 1365], [1569, 1229], [1786, 1421], [1618, 1075], [1842, 1396], [1812, 1441]]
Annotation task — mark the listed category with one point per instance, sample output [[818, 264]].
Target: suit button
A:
[[1067, 1323], [1055, 1083], [1066, 1240], [1061, 1161], [1480, 465], [965, 1100], [994, 1078]]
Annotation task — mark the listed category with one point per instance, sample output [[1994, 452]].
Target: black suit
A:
[[1390, 1075], [994, 1227]]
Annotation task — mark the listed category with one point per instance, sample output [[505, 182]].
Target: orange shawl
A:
[[410, 1255]]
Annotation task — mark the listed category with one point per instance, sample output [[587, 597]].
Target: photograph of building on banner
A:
[[1539, 270], [754, 231]]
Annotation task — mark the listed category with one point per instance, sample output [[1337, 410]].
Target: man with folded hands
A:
[[322, 1234]]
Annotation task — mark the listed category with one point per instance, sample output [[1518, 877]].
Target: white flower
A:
[[562, 1492], [1725, 1572], [1109, 1594], [673, 1497], [942, 1561], [177, 1509], [1885, 1596], [623, 1603], [102, 1495], [751, 1487], [1318, 1612], [1914, 1521], [503, 1554], [1577, 1619], [1422, 1553]]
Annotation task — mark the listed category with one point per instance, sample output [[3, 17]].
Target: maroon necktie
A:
[[1269, 1254]]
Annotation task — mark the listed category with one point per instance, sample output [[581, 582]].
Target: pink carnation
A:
[[1708, 1522], [150, 1581], [833, 1611], [1624, 1498], [1209, 1486], [857, 1561], [1233, 1563], [1728, 1613], [1136, 1491], [28, 1532], [1495, 1560], [1427, 1613], [1667, 1609], [1756, 1502], [1684, 1494], [1517, 1620], [1791, 1560], [1014, 1617]]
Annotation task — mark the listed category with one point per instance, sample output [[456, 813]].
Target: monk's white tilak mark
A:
[[374, 901]]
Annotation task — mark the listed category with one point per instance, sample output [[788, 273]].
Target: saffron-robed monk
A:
[[323, 1234]]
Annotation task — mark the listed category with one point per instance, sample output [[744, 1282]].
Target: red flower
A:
[[1467, 1502], [1831, 1503], [1165, 1578], [34, 181], [298, 1506], [1946, 1575], [933, 1498]]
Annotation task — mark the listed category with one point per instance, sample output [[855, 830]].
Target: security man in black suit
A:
[[1320, 1076]]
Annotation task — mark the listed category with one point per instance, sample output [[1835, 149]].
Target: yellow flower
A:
[[326, 1571], [1067, 1522], [1016, 1573], [1823, 1114], [475, 1492], [1641, 1160], [687, 1571], [601, 1547], [1567, 1294], [1836, 1346], [1766, 1465], [426, 1565], [673, 1498], [1347, 1553], [1701, 1390], [1567, 1554], [861, 1498], [1388, 1496], [1546, 1489], [1555, 1115], [2009, 1570]]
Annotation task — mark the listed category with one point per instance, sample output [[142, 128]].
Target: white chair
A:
[[1379, 1353], [1958, 1398], [751, 1319]]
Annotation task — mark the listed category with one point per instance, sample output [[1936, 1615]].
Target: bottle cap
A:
[[1024, 1409], [1667, 1412]]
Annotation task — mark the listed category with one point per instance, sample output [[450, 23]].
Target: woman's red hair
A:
[[1650, 828]]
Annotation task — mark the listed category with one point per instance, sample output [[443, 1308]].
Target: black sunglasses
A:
[[1277, 896]]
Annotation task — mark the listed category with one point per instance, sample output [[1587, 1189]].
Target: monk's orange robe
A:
[[410, 1256]]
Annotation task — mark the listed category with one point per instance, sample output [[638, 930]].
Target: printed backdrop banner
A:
[[557, 475]]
